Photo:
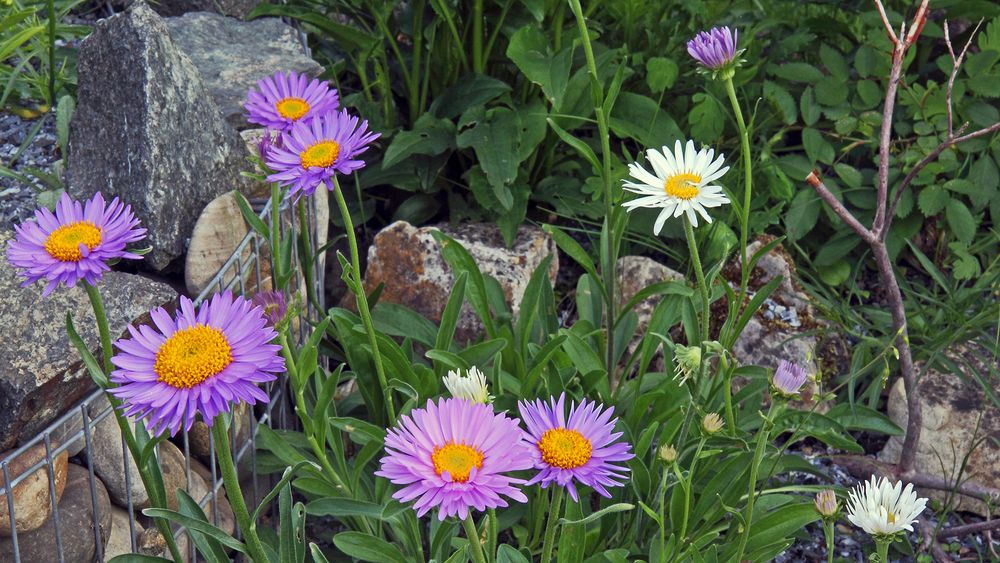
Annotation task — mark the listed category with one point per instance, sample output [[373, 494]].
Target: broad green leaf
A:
[[797, 72], [817, 147], [961, 221], [640, 118], [932, 200], [782, 100], [802, 214], [368, 548], [661, 73], [429, 136], [706, 118], [529, 50], [469, 91]]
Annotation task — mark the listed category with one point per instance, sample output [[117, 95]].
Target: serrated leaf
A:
[[661, 73], [797, 72], [706, 119], [817, 148], [932, 200], [782, 100], [802, 214]]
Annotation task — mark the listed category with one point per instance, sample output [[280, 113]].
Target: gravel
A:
[[17, 200]]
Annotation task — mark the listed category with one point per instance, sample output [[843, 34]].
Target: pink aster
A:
[[196, 362], [283, 100], [789, 378], [714, 48], [312, 153], [581, 448], [273, 306], [75, 243], [453, 455]]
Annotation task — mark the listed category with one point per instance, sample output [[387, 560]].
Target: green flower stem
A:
[[727, 392], [306, 259], [828, 531], [276, 234], [689, 483], [471, 532], [663, 511], [478, 64], [102, 323], [550, 527], [541, 508], [362, 299], [149, 480], [235, 493], [610, 252], [747, 182], [700, 275], [882, 550], [762, 438], [491, 536]]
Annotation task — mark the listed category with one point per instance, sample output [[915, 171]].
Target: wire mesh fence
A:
[[75, 437]]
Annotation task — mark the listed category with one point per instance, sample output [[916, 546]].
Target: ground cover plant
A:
[[864, 139]]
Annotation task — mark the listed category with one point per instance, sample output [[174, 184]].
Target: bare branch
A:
[[885, 22], [956, 63], [838, 208], [919, 19], [862, 467], [885, 137], [931, 157], [957, 531]]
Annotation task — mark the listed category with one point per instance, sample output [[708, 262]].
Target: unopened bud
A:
[[712, 423]]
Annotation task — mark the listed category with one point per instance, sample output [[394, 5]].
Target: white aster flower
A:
[[882, 509], [471, 386], [681, 183]]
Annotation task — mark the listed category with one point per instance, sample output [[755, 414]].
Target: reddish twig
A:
[[956, 531], [863, 467]]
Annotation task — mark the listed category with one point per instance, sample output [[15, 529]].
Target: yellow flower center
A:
[[565, 448], [891, 518], [457, 459], [192, 355], [683, 186], [64, 243], [320, 155], [292, 108]]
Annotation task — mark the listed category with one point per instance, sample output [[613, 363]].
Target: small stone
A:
[[77, 525], [233, 55], [201, 488], [636, 273], [120, 541], [953, 405], [153, 135], [408, 261], [32, 498], [41, 373], [198, 437]]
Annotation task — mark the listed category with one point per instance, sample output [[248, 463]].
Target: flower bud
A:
[[788, 379], [826, 503], [712, 423], [668, 454], [687, 360], [471, 386]]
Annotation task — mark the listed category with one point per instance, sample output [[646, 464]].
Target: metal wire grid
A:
[[247, 259]]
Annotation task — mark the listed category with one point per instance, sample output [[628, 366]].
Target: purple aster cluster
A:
[[313, 138]]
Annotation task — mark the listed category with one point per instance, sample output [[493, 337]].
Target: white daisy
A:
[[471, 386], [882, 509], [681, 183]]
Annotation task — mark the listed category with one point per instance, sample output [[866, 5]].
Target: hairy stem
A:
[[552, 524], [235, 493], [475, 546]]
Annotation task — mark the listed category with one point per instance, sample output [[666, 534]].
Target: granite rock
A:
[[233, 55], [408, 261], [32, 496], [153, 135]]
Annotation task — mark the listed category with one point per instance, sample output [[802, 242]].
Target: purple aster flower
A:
[[75, 243], [197, 362], [453, 455], [714, 48], [581, 448], [788, 378], [312, 153], [286, 99], [273, 306]]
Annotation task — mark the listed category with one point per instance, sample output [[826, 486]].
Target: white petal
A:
[[679, 156], [661, 219], [690, 156], [643, 175], [671, 161], [660, 165]]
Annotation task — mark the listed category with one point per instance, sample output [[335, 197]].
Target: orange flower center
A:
[[565, 448], [683, 186], [192, 355], [457, 459], [64, 243], [292, 108], [320, 155]]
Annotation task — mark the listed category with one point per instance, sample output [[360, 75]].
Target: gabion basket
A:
[[240, 273]]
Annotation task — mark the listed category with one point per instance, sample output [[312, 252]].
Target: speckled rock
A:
[[32, 497], [153, 135], [635, 273], [780, 329], [235, 8], [952, 403], [198, 437], [408, 260], [120, 539], [41, 374], [233, 55], [78, 527]]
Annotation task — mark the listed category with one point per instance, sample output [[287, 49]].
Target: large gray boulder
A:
[[147, 129], [41, 373], [233, 55]]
